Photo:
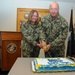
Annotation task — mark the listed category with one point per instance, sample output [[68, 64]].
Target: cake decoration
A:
[[52, 64]]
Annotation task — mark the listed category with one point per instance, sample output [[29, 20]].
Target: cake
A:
[[52, 64]]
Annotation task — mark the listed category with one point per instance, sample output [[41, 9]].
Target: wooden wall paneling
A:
[[22, 11]]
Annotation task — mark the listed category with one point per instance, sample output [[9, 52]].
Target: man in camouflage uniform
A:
[[55, 28]]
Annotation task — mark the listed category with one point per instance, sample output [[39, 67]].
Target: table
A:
[[22, 66]]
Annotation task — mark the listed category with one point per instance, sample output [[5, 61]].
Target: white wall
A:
[[8, 10]]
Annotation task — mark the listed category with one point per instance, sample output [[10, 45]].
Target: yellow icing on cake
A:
[[38, 65]]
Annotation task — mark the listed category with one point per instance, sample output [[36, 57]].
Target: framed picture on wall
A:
[[22, 14]]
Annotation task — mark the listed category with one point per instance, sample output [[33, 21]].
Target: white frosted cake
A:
[[52, 64]]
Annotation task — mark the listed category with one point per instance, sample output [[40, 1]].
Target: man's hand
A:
[[46, 48]]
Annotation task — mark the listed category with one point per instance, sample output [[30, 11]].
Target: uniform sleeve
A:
[[27, 35], [60, 40], [41, 34], [45, 27], [45, 24]]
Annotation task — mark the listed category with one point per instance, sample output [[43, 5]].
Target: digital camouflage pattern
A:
[[56, 31], [31, 36]]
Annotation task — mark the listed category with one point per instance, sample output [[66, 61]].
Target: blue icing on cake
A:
[[53, 64]]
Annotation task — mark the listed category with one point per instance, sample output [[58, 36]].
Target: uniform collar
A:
[[55, 18]]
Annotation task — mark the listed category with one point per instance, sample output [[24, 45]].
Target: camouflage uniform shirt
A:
[[56, 31], [31, 36]]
